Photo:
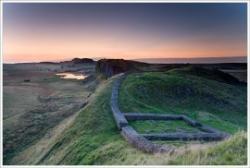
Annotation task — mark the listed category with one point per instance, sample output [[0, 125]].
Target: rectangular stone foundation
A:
[[207, 134], [185, 136]]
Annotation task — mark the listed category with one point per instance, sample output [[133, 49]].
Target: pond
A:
[[71, 75]]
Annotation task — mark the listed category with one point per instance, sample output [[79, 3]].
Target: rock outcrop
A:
[[110, 67]]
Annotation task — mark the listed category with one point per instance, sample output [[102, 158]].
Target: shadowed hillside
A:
[[110, 67], [212, 73]]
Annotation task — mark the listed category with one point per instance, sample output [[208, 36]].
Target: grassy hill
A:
[[94, 139], [187, 91]]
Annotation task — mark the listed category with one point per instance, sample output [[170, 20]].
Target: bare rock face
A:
[[110, 67]]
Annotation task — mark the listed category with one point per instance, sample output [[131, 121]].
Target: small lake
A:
[[70, 75]]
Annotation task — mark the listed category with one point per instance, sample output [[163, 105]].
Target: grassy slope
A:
[[232, 151], [94, 139], [215, 103]]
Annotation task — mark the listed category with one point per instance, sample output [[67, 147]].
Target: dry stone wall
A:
[[142, 141]]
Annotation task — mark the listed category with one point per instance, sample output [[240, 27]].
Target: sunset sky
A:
[[55, 31]]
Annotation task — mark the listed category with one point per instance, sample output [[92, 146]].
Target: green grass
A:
[[155, 126], [230, 152], [93, 130], [214, 103], [94, 139]]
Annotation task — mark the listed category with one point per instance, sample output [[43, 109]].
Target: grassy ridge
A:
[[215, 103], [94, 139]]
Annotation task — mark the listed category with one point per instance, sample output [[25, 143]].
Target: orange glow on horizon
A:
[[41, 48]]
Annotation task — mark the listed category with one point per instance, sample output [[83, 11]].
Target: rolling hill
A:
[[94, 139]]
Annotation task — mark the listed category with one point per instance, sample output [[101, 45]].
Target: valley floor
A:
[[35, 102]]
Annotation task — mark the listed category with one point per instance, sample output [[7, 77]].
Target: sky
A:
[[35, 32]]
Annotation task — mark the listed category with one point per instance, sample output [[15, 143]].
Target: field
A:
[[88, 135], [35, 100]]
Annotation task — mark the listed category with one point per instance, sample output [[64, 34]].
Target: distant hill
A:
[[212, 74], [110, 67], [82, 60], [79, 61], [205, 60]]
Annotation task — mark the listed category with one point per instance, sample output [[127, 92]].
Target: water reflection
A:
[[70, 75]]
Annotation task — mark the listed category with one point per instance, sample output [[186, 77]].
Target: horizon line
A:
[[137, 59]]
